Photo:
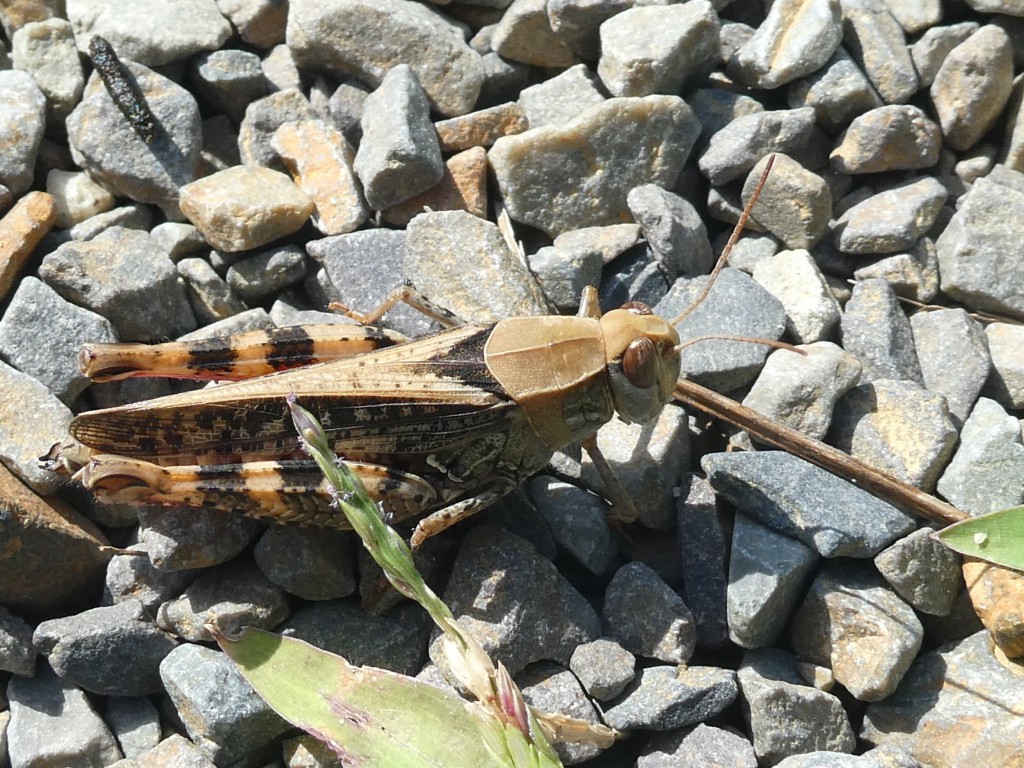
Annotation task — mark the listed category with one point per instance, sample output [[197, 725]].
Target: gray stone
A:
[[515, 602], [894, 137], [262, 119], [700, 747], [665, 698], [52, 723], [972, 86], [768, 573], [560, 99], [220, 143], [308, 563], [643, 613], [986, 473], [784, 716], [550, 176], [793, 277], [17, 654], [1006, 381], [211, 298], [228, 79], [954, 707], [954, 355], [658, 48], [774, 55], [913, 274], [875, 330], [41, 335], [980, 250], [673, 230], [150, 32], [31, 420], [134, 577], [853, 623], [280, 71], [222, 713], [702, 534], [260, 23], [463, 263], [123, 275], [831, 516], [917, 16], [736, 148], [366, 38], [550, 688], [231, 596], [113, 650], [717, 107], [363, 268], [934, 45], [46, 50], [876, 41], [736, 306], [603, 667], [750, 249], [892, 220], [396, 641], [398, 156], [896, 427], [135, 723], [563, 273], [578, 522], [346, 109], [104, 143], [795, 204], [839, 91], [800, 391], [923, 571], [266, 273], [128, 216], [182, 537], [577, 23], [524, 34], [22, 121]]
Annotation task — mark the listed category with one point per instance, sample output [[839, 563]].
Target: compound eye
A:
[[640, 363]]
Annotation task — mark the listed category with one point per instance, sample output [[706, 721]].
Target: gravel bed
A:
[[760, 612]]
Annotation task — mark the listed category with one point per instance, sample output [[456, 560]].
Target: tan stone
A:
[[20, 232], [481, 128], [998, 598], [462, 188]]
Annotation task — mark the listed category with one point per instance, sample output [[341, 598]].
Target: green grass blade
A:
[[997, 537]]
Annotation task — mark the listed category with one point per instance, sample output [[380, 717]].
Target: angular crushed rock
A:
[[647, 617]]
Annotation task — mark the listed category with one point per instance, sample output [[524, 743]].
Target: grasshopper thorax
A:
[[643, 361]]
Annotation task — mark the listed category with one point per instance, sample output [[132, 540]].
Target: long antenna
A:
[[736, 232]]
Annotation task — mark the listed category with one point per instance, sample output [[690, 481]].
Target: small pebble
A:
[[702, 535], [852, 622], [524, 34], [229, 80], [280, 72], [260, 23], [267, 272], [972, 86], [839, 92], [481, 128], [134, 722], [673, 230], [913, 274], [934, 45], [774, 56], [17, 654], [46, 50], [22, 121], [112, 651], [894, 137], [224, 716], [550, 688], [367, 38], [954, 354], [877, 42], [996, 595], [768, 574], [578, 522], [986, 473], [795, 204], [896, 427], [76, 197], [560, 99], [786, 717], [632, 141], [643, 614], [892, 220], [263, 117], [663, 698], [399, 155], [245, 207], [832, 517], [1006, 381], [134, 577], [307, 563], [736, 148], [876, 332], [793, 277], [703, 746], [211, 298], [604, 668], [923, 571], [657, 48], [179, 537], [563, 274], [463, 187]]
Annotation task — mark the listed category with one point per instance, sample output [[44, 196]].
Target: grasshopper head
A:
[[643, 361]]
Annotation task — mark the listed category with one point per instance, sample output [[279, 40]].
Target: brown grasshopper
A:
[[436, 428]]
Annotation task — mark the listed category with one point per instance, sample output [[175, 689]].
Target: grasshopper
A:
[[437, 428]]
